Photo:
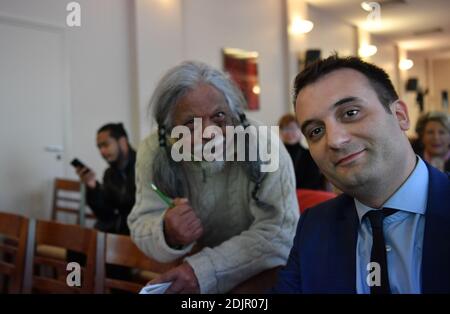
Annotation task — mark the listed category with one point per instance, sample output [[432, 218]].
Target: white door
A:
[[32, 102]]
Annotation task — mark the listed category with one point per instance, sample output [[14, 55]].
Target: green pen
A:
[[163, 196]]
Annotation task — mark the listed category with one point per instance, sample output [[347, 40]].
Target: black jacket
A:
[[113, 200], [307, 174]]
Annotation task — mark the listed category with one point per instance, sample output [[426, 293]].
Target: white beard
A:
[[207, 155], [213, 166]]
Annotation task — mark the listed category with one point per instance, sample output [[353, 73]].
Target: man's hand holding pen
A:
[[181, 224]]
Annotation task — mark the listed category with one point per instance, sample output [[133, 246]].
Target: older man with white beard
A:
[[242, 217]]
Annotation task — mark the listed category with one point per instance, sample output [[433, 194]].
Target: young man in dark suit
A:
[[389, 232]]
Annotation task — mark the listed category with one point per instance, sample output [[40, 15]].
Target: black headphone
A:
[[244, 120], [162, 136]]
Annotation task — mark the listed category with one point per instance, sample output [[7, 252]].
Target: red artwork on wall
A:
[[242, 66]]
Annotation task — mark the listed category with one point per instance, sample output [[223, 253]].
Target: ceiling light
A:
[[366, 6], [367, 51], [405, 64], [300, 26]]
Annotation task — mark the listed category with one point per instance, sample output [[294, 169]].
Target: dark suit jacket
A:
[[323, 257]]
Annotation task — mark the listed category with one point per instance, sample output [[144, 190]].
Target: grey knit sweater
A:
[[240, 239]]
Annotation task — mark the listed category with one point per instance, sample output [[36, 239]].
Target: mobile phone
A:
[[77, 163]]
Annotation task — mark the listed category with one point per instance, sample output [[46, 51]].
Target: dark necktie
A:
[[378, 253]]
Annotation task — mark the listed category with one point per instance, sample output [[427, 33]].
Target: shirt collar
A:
[[410, 197]]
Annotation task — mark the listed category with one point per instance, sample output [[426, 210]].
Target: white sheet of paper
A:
[[158, 288]]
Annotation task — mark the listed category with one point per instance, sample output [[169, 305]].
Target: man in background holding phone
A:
[[113, 200]]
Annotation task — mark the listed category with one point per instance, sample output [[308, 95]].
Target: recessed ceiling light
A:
[[405, 64], [300, 26], [367, 51]]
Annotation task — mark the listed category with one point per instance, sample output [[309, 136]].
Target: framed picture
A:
[[242, 66]]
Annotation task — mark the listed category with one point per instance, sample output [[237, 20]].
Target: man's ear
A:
[[400, 111]]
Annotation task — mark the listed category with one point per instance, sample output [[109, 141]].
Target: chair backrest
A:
[[68, 197], [309, 198], [14, 232], [120, 250], [70, 237], [259, 283]]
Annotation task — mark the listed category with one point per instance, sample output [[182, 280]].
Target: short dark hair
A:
[[116, 130], [378, 78]]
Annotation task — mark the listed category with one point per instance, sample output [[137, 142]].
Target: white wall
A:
[[159, 46], [330, 34], [99, 62]]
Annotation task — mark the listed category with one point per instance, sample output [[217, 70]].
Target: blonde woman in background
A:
[[433, 129]]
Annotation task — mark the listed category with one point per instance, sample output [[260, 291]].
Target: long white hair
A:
[[169, 175]]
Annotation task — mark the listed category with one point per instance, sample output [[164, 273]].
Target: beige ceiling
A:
[[410, 23]]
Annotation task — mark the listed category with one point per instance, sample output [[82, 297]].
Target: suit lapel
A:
[[436, 241], [342, 249]]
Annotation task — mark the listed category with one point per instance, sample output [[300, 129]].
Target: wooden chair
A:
[[69, 237], [68, 198], [14, 229], [120, 250], [258, 284]]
